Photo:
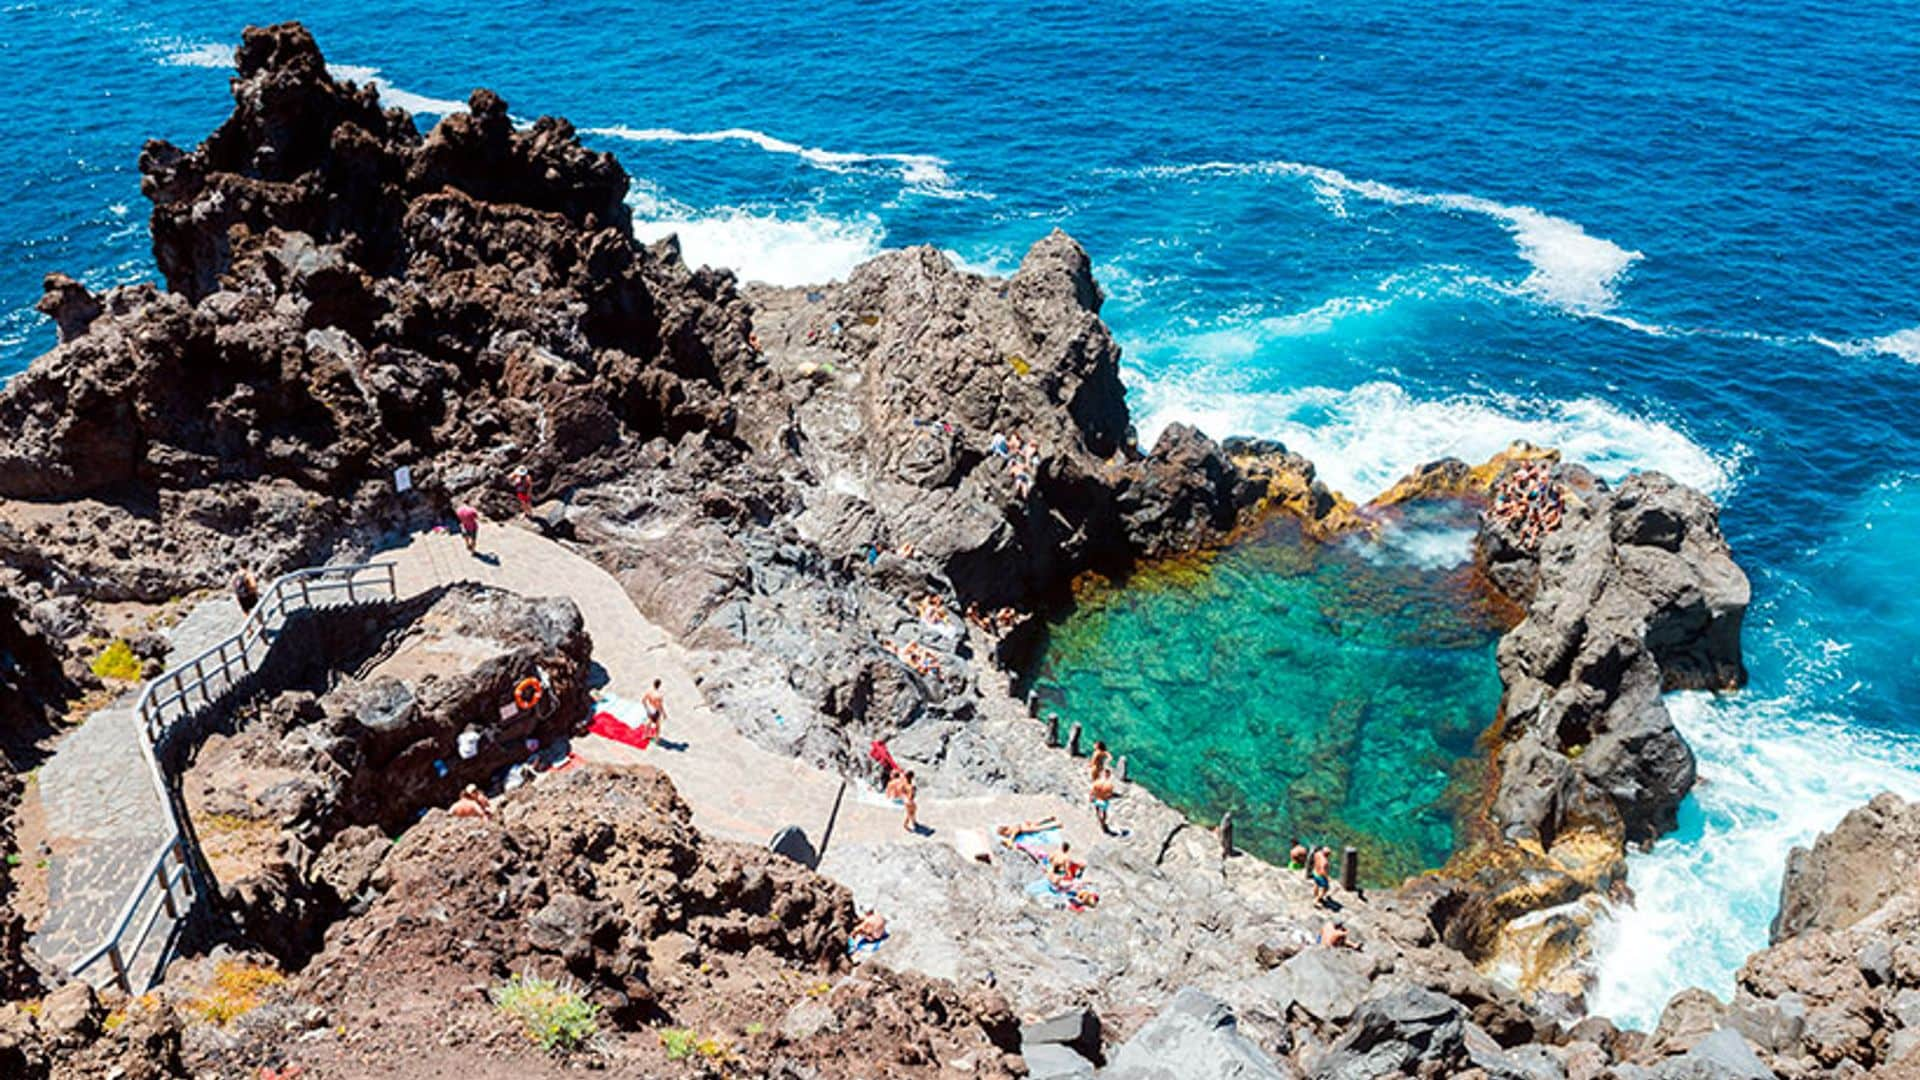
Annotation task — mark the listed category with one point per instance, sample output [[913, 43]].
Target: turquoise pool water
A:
[[1334, 692]]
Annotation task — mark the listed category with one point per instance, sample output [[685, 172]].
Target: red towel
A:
[[879, 752], [609, 726]]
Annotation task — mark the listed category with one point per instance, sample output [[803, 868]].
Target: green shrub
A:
[[554, 1014], [680, 1042], [117, 661]]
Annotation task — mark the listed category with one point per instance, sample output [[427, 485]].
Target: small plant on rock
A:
[[680, 1043], [554, 1014], [117, 661], [238, 988]]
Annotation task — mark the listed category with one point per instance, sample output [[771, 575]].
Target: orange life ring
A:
[[527, 693]]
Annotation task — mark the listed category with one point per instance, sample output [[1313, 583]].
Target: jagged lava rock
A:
[[1636, 593]]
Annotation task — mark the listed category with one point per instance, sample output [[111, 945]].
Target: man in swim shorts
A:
[[656, 706], [870, 929], [1322, 887], [1102, 796]]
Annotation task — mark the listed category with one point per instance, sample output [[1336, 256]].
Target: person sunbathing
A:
[[1026, 827], [871, 928], [472, 803]]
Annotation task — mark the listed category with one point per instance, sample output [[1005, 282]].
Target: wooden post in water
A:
[[1350, 871], [1226, 835], [1073, 740]]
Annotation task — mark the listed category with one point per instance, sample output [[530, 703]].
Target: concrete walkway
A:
[[105, 821], [737, 789]]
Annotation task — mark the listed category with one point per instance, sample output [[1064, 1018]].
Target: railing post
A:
[[1350, 871], [119, 967], [1226, 835], [350, 598], [305, 599], [1073, 740], [166, 890], [1120, 769]]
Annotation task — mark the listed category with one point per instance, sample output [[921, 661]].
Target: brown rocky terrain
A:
[[775, 477]]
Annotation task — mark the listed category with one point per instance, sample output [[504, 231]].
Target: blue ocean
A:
[[1657, 236]]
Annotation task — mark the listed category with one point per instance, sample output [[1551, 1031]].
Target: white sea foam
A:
[[204, 55], [1770, 778], [1426, 547], [1570, 268], [921, 173], [1244, 339], [1365, 438], [1904, 344], [393, 96], [759, 245]]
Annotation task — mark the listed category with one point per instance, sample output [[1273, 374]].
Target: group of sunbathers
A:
[[915, 655], [1529, 499], [901, 789], [1023, 459], [933, 609], [1064, 873], [998, 622]]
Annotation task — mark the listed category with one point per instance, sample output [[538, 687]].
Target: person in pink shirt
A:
[[469, 525]]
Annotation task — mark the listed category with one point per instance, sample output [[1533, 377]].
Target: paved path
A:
[[737, 789], [105, 820]]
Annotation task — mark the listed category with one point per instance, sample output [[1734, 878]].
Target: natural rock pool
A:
[[1330, 691]]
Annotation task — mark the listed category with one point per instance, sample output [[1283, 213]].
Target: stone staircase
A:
[[105, 822], [118, 886]]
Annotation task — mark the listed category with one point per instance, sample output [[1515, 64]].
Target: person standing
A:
[[1322, 886], [469, 519], [655, 704], [909, 794], [246, 590], [1100, 761], [522, 481], [1102, 797]]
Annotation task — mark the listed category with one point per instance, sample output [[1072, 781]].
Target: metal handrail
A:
[[151, 711]]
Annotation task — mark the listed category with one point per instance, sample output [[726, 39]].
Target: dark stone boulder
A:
[[1408, 1032]]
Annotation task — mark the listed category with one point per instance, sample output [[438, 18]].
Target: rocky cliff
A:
[[1838, 991]]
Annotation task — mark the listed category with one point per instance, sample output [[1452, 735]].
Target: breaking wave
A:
[[1570, 268], [921, 173], [1365, 438]]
